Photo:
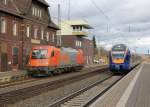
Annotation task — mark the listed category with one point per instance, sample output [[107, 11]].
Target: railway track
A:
[[85, 97], [8, 95], [29, 79]]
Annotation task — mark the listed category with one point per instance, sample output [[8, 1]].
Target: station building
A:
[[74, 34], [23, 23]]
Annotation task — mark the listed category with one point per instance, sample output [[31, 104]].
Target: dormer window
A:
[[36, 12], [4, 2], [33, 11]]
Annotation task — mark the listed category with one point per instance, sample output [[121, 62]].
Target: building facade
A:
[[23, 24], [74, 34]]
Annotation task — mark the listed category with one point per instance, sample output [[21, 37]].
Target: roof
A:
[[43, 2], [79, 22], [53, 25], [10, 12], [24, 5], [21, 7], [10, 9]]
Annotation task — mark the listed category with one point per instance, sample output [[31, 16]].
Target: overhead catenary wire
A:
[[101, 11]]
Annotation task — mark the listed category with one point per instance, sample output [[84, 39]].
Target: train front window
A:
[[118, 55], [39, 54]]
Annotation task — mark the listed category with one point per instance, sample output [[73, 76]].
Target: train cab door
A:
[[54, 58], [128, 59]]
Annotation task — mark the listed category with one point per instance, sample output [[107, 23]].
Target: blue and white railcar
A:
[[120, 59]]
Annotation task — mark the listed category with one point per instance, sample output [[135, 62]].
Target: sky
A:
[[114, 21]]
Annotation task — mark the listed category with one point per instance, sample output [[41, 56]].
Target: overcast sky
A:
[[114, 21]]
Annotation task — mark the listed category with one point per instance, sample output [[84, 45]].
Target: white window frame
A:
[[33, 10], [3, 25], [14, 28], [28, 31], [47, 36], [36, 11], [80, 44], [76, 43], [53, 37]]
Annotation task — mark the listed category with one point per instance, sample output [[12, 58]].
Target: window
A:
[[78, 43], [74, 28], [42, 34], [35, 33], [53, 37], [15, 55], [40, 13], [4, 2], [77, 28], [36, 11], [14, 28], [53, 54], [3, 25], [47, 36], [28, 31], [39, 54], [80, 28], [33, 11]]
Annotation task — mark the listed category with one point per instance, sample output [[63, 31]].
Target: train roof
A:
[[119, 47], [68, 49]]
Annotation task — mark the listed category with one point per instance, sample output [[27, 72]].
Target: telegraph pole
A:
[[69, 5], [59, 15], [59, 24]]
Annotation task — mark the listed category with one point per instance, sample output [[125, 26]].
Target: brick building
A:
[[23, 23], [73, 34]]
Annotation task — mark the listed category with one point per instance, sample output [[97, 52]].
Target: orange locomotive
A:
[[49, 59]]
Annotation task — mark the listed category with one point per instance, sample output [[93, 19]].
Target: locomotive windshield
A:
[[39, 54], [119, 48], [118, 55]]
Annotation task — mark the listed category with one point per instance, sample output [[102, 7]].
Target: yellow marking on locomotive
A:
[[118, 60]]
